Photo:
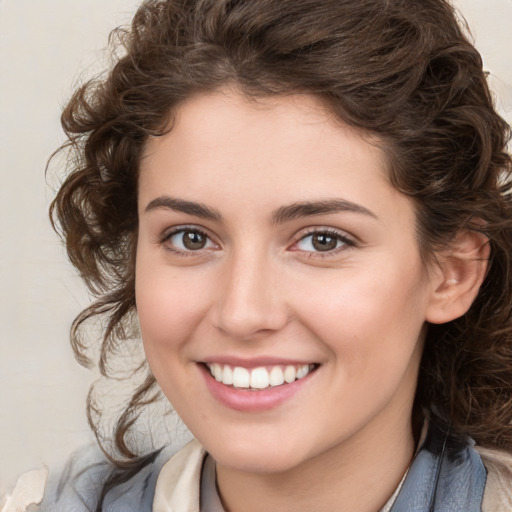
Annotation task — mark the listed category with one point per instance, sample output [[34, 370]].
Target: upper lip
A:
[[255, 362]]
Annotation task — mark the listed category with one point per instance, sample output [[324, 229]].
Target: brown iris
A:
[[324, 242], [194, 240]]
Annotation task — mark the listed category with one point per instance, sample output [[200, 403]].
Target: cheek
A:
[[369, 318], [169, 307]]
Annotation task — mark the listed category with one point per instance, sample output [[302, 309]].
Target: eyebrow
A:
[[188, 207], [279, 216], [311, 208]]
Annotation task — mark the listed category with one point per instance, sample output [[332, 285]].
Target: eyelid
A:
[[347, 240], [169, 232]]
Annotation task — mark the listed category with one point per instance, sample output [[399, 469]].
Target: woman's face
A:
[[274, 253]]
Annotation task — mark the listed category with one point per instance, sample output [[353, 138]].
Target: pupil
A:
[[324, 242], [193, 240]]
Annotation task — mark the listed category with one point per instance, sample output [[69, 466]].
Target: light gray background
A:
[[44, 48]]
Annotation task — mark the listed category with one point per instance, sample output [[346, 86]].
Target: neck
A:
[[358, 475]]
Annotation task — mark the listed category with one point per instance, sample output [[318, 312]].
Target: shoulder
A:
[[498, 488], [77, 487]]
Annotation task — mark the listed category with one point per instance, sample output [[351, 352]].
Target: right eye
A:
[[188, 240]]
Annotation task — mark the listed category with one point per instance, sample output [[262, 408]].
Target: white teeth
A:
[[302, 371], [217, 372], [241, 377], [289, 374], [227, 376], [276, 376], [258, 378]]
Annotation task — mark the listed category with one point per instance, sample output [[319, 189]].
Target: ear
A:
[[459, 273]]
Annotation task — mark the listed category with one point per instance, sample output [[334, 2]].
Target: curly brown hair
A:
[[403, 70]]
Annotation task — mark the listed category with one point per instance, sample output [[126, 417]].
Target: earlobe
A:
[[460, 272]]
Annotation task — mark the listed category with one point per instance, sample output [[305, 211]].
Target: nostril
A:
[[248, 322]]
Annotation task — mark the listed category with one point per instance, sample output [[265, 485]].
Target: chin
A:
[[258, 457], [263, 464]]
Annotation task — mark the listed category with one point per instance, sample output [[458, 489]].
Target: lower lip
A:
[[247, 400]]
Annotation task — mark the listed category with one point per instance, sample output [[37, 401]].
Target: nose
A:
[[251, 301]]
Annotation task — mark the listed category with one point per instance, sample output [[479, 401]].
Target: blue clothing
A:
[[446, 475]]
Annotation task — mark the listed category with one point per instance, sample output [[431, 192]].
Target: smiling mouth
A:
[[262, 377]]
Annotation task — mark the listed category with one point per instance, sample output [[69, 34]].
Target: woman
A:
[[304, 207]]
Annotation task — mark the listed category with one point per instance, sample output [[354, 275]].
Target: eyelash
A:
[[184, 229], [343, 238], [345, 241]]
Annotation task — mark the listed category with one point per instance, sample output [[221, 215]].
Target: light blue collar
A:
[[446, 475]]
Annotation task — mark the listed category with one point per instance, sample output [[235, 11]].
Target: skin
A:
[[259, 288]]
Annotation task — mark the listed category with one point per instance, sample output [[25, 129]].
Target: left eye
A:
[[190, 240], [321, 242]]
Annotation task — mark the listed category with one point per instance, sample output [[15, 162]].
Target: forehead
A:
[[226, 148], [205, 119]]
